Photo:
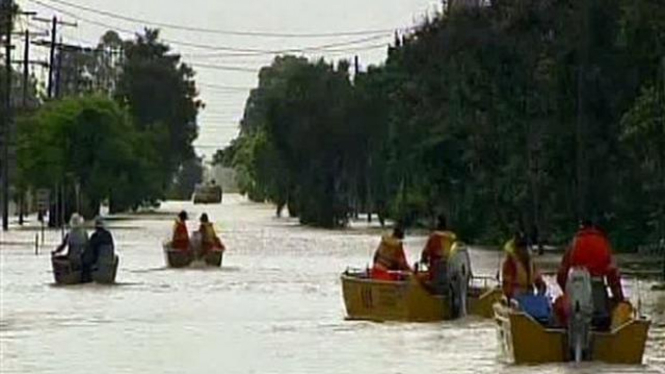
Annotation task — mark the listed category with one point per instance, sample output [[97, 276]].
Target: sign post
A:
[[43, 198]]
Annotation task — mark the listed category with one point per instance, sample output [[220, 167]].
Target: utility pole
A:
[[26, 68], [55, 22], [356, 65], [7, 123], [54, 30], [55, 216], [26, 81], [58, 70]]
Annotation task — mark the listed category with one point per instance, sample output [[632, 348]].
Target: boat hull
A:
[[181, 259], [408, 300], [66, 274], [523, 340]]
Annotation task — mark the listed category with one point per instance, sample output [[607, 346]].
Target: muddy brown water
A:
[[274, 307]]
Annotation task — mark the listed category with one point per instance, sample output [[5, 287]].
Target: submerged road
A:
[[274, 307]]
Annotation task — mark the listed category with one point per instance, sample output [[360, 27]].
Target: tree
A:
[[160, 94], [87, 141], [189, 175]]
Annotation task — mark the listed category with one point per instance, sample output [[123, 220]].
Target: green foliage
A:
[[189, 175], [517, 114], [89, 141], [160, 94]]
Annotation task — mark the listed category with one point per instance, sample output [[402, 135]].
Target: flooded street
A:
[[274, 307]]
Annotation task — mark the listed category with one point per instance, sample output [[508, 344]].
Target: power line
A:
[[222, 87], [327, 50], [219, 31], [242, 51], [224, 67]]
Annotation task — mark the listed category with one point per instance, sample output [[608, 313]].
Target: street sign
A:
[[43, 196]]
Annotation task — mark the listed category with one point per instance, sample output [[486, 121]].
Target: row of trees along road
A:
[[521, 112], [121, 130]]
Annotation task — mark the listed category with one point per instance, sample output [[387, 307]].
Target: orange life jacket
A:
[[180, 238], [517, 277], [390, 255]]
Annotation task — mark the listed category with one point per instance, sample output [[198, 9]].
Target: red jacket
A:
[[592, 250], [180, 238]]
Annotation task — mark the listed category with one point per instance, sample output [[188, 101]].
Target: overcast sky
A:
[[224, 107]]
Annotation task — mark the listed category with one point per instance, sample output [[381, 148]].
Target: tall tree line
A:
[[515, 114]]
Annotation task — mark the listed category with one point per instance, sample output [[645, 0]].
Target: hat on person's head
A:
[[398, 231], [99, 222], [76, 221], [441, 222], [520, 239]]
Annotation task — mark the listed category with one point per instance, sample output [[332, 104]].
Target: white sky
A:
[[224, 108]]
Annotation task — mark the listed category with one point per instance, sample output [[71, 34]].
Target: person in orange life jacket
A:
[[590, 249], [180, 239], [390, 257], [209, 239], [436, 253], [519, 273]]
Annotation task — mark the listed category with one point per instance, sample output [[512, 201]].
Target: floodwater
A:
[[274, 307]]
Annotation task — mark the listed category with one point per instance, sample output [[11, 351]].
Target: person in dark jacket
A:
[[100, 249]]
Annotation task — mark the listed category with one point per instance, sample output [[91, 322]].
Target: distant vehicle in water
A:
[[207, 193]]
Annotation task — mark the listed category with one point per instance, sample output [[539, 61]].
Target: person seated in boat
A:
[[389, 257], [591, 250], [101, 248], [180, 238], [436, 254], [209, 239], [76, 242], [519, 273]]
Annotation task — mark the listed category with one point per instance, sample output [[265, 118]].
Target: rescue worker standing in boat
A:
[[519, 273], [591, 250], [180, 238], [209, 239], [390, 256], [436, 253]]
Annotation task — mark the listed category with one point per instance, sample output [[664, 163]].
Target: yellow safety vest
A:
[[523, 279], [388, 253]]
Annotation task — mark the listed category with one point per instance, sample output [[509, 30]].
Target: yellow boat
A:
[[408, 300], [523, 340]]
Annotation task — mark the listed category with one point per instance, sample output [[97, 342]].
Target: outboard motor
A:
[[459, 274], [580, 297]]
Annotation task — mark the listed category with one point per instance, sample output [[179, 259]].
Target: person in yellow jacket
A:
[[209, 239], [436, 253], [389, 257], [519, 273]]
